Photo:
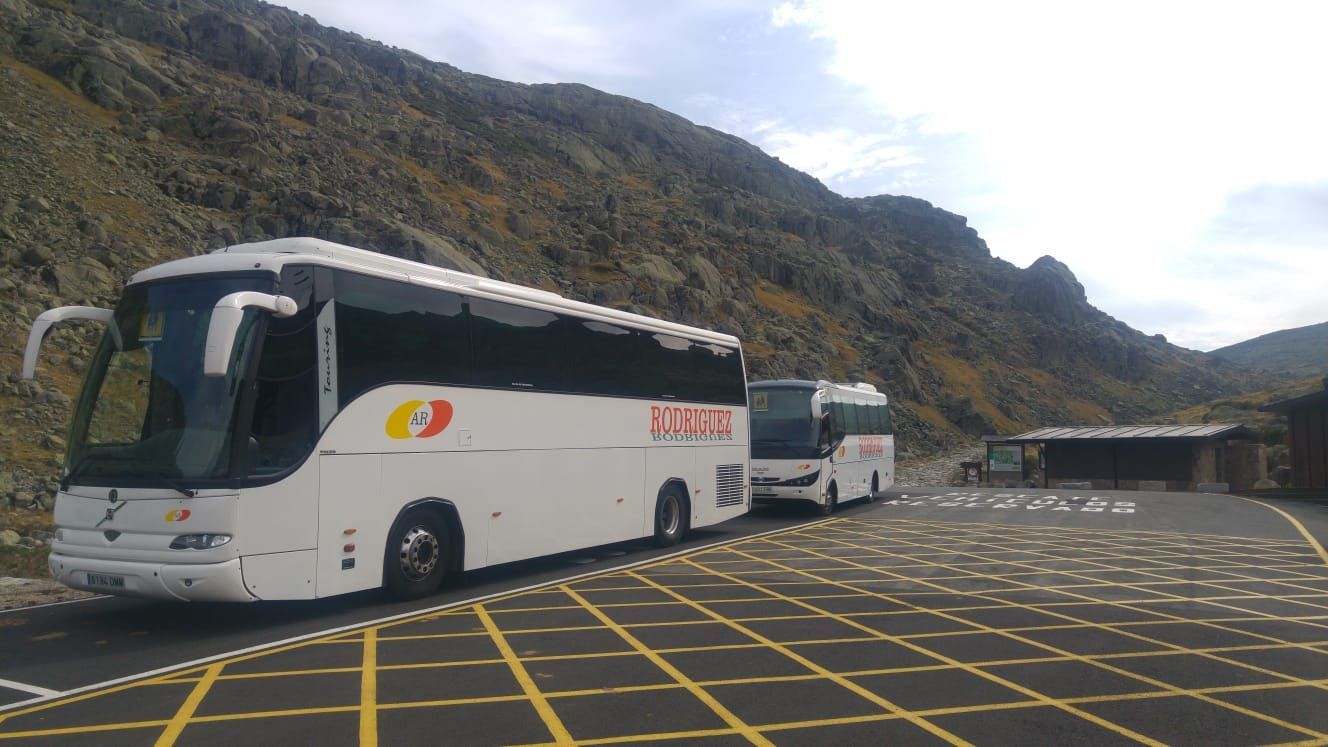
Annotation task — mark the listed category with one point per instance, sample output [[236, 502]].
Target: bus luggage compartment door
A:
[[351, 514]]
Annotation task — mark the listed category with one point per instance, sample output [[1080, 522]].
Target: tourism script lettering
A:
[[1018, 501], [690, 424]]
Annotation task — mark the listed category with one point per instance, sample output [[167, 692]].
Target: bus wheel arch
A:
[[430, 525], [673, 513], [831, 498]]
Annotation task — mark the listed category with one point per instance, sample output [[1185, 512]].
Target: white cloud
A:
[[839, 154], [1110, 136]]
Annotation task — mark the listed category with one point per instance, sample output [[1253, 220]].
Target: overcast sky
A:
[[1174, 155]]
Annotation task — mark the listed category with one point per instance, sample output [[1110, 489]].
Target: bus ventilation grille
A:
[[728, 485]]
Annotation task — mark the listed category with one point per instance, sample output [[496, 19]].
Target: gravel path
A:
[[26, 592], [937, 471]]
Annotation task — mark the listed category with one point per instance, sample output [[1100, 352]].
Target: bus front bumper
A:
[[772, 493], [204, 582]]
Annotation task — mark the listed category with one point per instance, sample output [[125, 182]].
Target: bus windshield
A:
[[147, 414], [782, 424]]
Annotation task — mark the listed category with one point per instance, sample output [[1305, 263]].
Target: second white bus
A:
[[819, 441], [295, 419]]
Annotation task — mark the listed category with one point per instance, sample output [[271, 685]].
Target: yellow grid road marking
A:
[[369, 690], [1171, 597], [1156, 683], [1045, 699], [186, 712], [804, 661], [724, 713], [537, 699], [1323, 554], [909, 543]]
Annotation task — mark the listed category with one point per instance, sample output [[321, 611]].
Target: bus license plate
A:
[[102, 579]]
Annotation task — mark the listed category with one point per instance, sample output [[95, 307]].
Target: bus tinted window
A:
[[665, 366], [716, 374], [392, 332], [846, 413], [600, 358], [516, 346]]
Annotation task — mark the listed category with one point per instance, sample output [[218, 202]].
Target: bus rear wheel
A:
[[670, 517], [417, 553]]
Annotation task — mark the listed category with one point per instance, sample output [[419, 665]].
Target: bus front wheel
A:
[[417, 553], [670, 518], [831, 500]]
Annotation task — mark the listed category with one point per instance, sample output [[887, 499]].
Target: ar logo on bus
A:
[[419, 419]]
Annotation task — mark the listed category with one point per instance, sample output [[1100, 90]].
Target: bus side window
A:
[[601, 358], [665, 366], [388, 332], [838, 417], [516, 346], [874, 413], [850, 416], [716, 375], [285, 422]]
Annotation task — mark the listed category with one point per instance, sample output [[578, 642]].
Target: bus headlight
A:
[[199, 541], [804, 481]]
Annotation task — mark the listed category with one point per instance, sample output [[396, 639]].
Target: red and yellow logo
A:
[[419, 419], [180, 514]]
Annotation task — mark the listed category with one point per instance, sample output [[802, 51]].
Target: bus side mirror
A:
[[41, 326], [225, 323]]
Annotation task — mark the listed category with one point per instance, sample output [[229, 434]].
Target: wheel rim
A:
[[419, 553], [670, 515]]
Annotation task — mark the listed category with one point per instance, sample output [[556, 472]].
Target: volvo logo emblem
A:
[[115, 495]]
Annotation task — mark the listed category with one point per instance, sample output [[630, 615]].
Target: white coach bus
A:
[[820, 442], [295, 418]]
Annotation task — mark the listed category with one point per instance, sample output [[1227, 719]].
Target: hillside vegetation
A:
[[1298, 352], [136, 131]]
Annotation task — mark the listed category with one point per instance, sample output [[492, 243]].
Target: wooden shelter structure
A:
[[1307, 436], [1148, 457]]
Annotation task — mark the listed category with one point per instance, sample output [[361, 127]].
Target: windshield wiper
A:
[[171, 483]]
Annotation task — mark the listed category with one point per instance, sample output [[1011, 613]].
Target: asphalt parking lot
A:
[[901, 623]]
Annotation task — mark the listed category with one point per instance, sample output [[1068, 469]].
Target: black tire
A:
[[671, 517], [831, 500], [875, 486], [416, 560]]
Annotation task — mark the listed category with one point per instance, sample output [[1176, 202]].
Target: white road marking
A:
[[52, 694], [44, 691]]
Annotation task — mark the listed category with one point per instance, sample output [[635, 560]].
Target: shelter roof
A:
[[1199, 432]]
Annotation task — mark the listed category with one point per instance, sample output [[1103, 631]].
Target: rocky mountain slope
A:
[[1299, 352], [135, 131]]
